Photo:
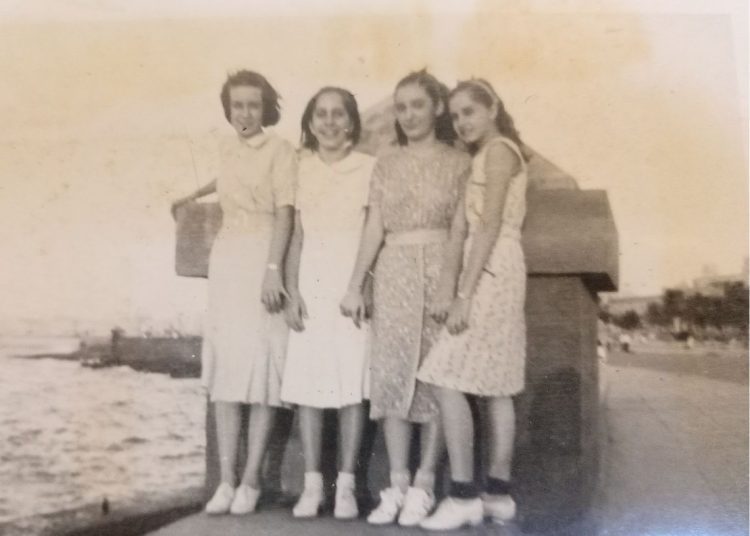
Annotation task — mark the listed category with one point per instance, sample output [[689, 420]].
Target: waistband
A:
[[417, 237], [510, 232]]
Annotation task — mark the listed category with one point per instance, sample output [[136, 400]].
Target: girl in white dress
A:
[[482, 350], [326, 365], [245, 338]]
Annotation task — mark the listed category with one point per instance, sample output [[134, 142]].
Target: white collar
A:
[[348, 164], [256, 141]]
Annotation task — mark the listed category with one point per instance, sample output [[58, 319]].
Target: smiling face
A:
[[474, 121], [416, 112], [246, 110], [330, 122]]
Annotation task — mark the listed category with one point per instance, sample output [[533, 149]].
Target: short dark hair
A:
[[271, 107], [308, 139], [438, 92], [482, 92]]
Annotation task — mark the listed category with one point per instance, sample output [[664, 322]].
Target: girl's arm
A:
[[501, 165], [273, 291], [203, 191], [369, 246], [452, 261], [296, 310]]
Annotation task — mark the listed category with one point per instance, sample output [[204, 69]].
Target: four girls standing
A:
[[447, 320]]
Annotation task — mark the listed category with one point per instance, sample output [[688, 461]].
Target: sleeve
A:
[[284, 175], [375, 197]]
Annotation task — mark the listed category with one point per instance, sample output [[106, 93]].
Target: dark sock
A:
[[463, 490], [497, 486]]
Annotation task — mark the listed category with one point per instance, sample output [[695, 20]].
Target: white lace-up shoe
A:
[[501, 508], [391, 501], [221, 501], [417, 505], [453, 514], [245, 500], [309, 503], [346, 503]]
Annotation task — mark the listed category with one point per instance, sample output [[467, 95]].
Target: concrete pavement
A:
[[674, 461]]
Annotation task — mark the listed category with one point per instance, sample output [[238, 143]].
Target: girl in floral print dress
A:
[[415, 191], [482, 350]]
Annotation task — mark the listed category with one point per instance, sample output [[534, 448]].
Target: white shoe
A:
[[391, 500], [346, 503], [221, 501], [417, 505], [309, 503], [245, 500], [500, 508], [453, 514]]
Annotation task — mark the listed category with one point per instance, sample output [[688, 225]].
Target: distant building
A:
[[619, 305], [712, 284]]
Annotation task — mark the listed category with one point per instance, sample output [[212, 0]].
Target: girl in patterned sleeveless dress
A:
[[482, 349], [245, 337], [414, 193]]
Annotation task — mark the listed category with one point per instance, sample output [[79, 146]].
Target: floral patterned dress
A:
[[417, 197], [489, 358]]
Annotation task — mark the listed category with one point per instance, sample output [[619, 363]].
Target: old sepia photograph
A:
[[377, 267]]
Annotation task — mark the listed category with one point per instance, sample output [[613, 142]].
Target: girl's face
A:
[[330, 122], [416, 112], [473, 121], [246, 110]]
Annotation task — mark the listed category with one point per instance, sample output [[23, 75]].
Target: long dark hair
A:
[[308, 139], [482, 92], [438, 92], [270, 97]]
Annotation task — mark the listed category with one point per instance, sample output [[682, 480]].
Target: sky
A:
[[110, 110]]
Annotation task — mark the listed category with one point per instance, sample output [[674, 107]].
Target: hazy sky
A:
[[104, 101]]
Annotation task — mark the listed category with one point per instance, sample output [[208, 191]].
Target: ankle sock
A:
[[424, 480], [463, 490], [313, 480], [497, 486], [400, 480], [345, 480]]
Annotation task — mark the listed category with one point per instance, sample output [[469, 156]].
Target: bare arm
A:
[[353, 304], [502, 164], [273, 291], [203, 191], [295, 310], [452, 262]]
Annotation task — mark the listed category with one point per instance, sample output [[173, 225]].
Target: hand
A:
[[353, 305], [458, 316], [296, 312], [177, 205], [440, 305], [273, 291]]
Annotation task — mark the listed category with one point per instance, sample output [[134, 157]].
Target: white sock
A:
[[313, 480], [424, 480], [400, 480], [345, 480]]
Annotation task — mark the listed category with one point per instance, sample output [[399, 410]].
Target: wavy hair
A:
[[482, 92], [308, 139], [271, 106], [438, 93]]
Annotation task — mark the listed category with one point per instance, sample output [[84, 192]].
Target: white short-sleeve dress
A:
[[244, 346], [327, 365]]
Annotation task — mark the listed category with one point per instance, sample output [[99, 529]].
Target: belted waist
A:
[[417, 237]]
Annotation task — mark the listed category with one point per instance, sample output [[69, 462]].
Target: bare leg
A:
[[227, 435], [432, 445], [397, 442], [351, 426], [259, 430], [311, 430], [502, 430], [459, 432]]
